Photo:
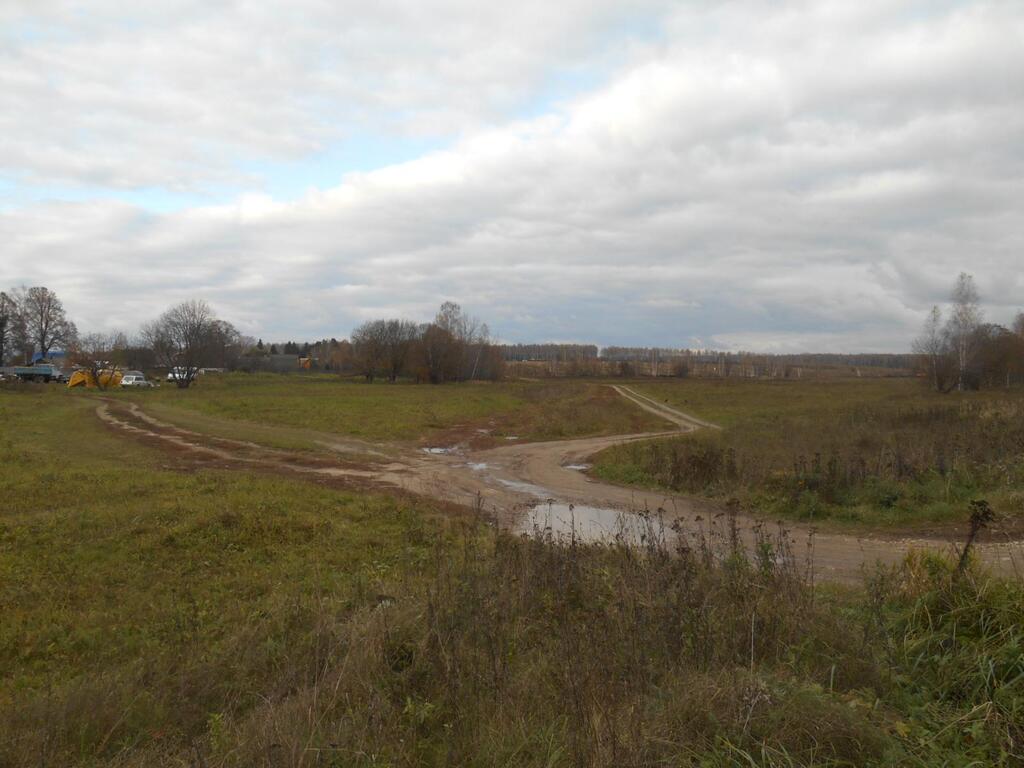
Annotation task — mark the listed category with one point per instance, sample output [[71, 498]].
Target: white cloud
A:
[[771, 175]]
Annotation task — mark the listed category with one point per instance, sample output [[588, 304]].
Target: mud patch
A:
[[197, 451]]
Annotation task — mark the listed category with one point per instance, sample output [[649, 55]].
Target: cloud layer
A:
[[760, 175]]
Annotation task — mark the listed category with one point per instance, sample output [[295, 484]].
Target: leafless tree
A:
[[439, 354], [964, 321], [399, 336], [931, 345], [12, 327], [1018, 324], [183, 339], [225, 345], [46, 323], [100, 355], [470, 337], [369, 343], [997, 358]]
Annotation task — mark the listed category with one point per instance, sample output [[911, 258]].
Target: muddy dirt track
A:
[[543, 485]]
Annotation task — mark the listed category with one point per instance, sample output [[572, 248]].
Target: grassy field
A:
[[479, 412], [138, 603], [158, 616], [871, 452]]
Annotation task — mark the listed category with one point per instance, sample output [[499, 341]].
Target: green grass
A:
[[153, 616], [137, 600], [397, 412], [860, 452], [743, 402]]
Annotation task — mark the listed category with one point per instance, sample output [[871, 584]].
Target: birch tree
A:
[[962, 326]]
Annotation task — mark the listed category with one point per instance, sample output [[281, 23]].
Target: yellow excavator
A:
[[85, 378]]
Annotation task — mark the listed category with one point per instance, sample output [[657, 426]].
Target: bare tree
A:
[[183, 338], [12, 327], [1018, 324], [470, 337], [46, 323], [225, 345], [962, 326], [931, 345], [997, 358], [399, 336], [369, 343], [101, 356], [439, 354], [478, 343]]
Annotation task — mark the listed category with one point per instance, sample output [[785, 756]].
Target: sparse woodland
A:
[[960, 351]]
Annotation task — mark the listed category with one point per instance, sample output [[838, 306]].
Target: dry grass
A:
[[153, 618], [841, 450], [305, 407]]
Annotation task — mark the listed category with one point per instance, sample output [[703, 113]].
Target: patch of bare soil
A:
[[508, 481], [193, 450]]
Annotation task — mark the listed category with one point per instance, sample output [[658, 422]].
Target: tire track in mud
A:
[[133, 420], [508, 482]]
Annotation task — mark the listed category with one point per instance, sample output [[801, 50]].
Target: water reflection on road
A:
[[582, 523]]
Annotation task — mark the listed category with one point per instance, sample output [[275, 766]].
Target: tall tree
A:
[[46, 323], [962, 326], [440, 354], [12, 330], [183, 338], [369, 342], [399, 336], [931, 345]]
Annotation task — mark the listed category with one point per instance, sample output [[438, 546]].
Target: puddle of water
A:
[[438, 450], [477, 466], [512, 437], [578, 467], [587, 524], [530, 488]]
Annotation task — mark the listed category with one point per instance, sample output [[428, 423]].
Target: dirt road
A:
[[526, 485]]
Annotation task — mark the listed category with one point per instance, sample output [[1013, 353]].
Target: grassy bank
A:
[[884, 452], [478, 412]]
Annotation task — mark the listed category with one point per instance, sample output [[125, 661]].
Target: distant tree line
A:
[[958, 350], [454, 347], [561, 353], [186, 338], [580, 359]]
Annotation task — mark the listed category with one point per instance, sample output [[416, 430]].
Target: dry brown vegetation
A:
[[227, 619], [868, 452]]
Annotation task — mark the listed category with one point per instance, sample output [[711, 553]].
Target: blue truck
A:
[[38, 372]]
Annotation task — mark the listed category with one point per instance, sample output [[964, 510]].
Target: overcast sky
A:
[[779, 176]]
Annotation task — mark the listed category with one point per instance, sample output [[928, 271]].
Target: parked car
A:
[[133, 379]]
